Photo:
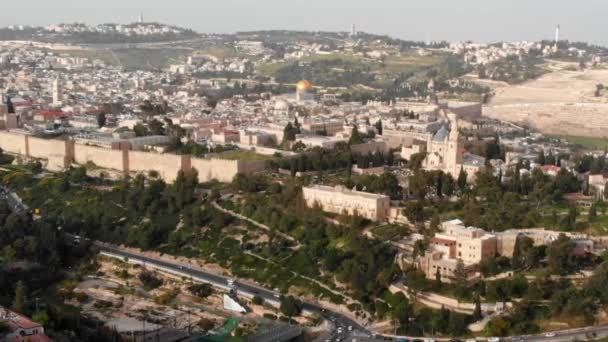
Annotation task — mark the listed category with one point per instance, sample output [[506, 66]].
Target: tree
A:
[[290, 307], [414, 211], [524, 253], [20, 297], [415, 162], [477, 311], [560, 255], [201, 290], [462, 179], [569, 222], [149, 280], [289, 132], [10, 107], [460, 274], [156, 127], [438, 283], [379, 127], [140, 130], [41, 317], [457, 324], [435, 222], [541, 158], [355, 136], [593, 212], [447, 185], [101, 119], [498, 326], [257, 300], [206, 324]]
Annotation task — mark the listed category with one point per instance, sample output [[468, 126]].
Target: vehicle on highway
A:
[[550, 334], [493, 339]]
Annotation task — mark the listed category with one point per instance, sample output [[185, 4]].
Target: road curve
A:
[[221, 281], [340, 320]]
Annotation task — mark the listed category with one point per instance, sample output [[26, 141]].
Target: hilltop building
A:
[[445, 152], [457, 242], [21, 328], [340, 200]]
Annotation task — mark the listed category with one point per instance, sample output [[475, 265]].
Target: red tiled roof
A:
[[441, 241], [22, 104], [52, 114], [550, 168]]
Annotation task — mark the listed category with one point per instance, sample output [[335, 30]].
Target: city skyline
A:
[[433, 20]]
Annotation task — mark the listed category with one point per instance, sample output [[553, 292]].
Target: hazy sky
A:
[[479, 20]]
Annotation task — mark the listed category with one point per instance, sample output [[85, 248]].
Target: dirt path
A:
[[337, 293], [255, 223]]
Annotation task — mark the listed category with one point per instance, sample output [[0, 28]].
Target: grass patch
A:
[[149, 58], [410, 63], [270, 69], [586, 143], [219, 52], [133, 58], [390, 232]]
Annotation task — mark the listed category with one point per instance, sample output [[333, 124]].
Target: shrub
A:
[[257, 300], [81, 297], [201, 290], [149, 281], [166, 297]]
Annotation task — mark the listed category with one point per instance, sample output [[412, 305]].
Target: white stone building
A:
[[340, 200]]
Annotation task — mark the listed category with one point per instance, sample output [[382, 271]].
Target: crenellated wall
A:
[[63, 153]]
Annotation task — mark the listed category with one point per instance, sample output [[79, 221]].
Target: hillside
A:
[[561, 102]]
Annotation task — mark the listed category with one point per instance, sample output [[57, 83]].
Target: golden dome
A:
[[303, 85]]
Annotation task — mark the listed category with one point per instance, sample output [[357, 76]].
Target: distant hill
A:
[[100, 34]]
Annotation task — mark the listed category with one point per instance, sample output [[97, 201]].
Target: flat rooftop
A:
[[344, 190]]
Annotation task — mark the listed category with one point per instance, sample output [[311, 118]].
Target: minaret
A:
[[453, 158], [141, 17], [57, 92], [557, 35], [353, 30]]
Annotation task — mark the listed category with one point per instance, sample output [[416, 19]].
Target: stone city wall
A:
[[61, 154], [13, 143], [167, 165], [102, 157], [220, 169]]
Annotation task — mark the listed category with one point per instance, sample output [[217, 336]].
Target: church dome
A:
[[303, 85], [441, 134]]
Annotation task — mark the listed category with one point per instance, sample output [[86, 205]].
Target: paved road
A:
[[222, 281], [342, 323], [13, 200]]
